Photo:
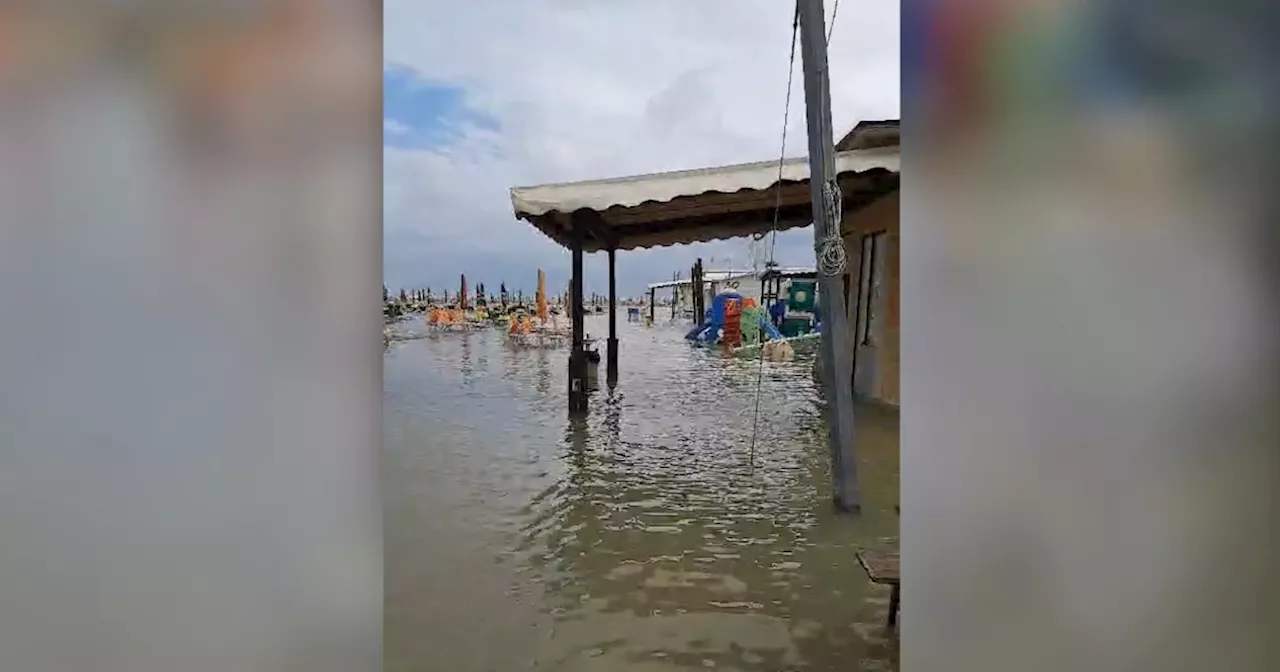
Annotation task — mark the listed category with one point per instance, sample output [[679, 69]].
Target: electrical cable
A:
[[777, 211]]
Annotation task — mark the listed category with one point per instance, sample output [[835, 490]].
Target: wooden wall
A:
[[877, 364]]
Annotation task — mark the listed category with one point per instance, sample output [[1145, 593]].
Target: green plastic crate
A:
[[801, 295]]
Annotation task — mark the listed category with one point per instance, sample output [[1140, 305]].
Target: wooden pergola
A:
[[688, 206]]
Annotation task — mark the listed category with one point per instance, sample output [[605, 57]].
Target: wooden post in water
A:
[[612, 373], [826, 202], [577, 353], [699, 301], [694, 290], [675, 294]]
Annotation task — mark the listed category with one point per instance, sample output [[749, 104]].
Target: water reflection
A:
[[639, 538], [465, 365], [543, 377]]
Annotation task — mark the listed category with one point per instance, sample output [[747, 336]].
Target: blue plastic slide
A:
[[700, 334], [767, 327]]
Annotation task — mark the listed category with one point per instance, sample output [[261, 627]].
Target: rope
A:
[[777, 212], [829, 252], [831, 27]]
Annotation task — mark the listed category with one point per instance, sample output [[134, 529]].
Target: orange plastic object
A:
[[732, 323]]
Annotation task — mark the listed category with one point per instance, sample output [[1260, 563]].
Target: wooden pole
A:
[[826, 199], [577, 353], [675, 294], [699, 310], [612, 373]]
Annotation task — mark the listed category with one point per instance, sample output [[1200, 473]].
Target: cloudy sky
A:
[[481, 96]]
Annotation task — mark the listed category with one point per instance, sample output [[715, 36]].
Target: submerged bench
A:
[[882, 568]]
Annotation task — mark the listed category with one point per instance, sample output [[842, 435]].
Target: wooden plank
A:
[[881, 566]]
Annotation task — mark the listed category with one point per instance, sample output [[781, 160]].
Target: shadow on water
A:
[[642, 537]]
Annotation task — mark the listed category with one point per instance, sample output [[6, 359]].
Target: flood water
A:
[[647, 537]]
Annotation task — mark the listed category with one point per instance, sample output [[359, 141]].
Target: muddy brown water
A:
[[645, 537]]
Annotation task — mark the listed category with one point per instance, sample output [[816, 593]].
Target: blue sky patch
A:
[[422, 114]]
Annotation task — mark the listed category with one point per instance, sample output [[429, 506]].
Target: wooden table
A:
[[882, 567]]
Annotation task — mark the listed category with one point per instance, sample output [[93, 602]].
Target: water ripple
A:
[[645, 536]]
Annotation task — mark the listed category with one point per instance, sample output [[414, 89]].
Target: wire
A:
[[829, 253], [832, 26], [777, 212]]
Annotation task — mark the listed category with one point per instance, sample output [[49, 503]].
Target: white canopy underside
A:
[[631, 191]]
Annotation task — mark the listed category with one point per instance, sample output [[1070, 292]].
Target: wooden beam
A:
[[591, 223]]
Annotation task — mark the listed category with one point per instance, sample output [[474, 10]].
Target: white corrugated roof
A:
[[718, 276], [663, 187], [796, 270], [707, 276]]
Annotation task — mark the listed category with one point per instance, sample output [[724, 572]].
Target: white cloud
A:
[[394, 127], [588, 89]]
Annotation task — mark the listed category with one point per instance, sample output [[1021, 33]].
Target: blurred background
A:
[[1089, 444], [190, 371], [189, 274]]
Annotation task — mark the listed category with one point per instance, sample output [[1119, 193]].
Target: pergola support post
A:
[[612, 373], [577, 350]]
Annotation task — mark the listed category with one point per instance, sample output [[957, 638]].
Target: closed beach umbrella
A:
[[542, 295]]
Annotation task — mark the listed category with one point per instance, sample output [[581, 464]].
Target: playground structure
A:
[[741, 326], [734, 321]]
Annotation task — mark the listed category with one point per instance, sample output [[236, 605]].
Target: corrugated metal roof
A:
[[718, 276], [697, 205], [871, 134], [707, 276], [635, 190], [795, 270]]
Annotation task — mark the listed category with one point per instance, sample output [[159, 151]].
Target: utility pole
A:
[[826, 201]]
